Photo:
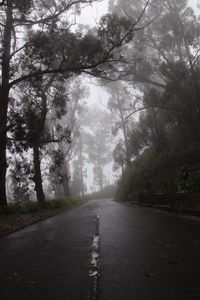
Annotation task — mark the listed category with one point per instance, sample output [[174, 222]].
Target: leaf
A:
[[95, 273], [30, 282], [172, 262], [151, 274]]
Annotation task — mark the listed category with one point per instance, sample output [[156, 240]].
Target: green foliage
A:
[[188, 180], [50, 48], [59, 102], [57, 157], [113, 29], [20, 180], [167, 172], [20, 207], [119, 155], [73, 52], [23, 6], [165, 139]]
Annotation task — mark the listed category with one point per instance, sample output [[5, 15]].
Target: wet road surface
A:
[[143, 255]]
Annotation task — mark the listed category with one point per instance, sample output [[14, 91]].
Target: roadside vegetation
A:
[[159, 153], [165, 173], [21, 214], [18, 207]]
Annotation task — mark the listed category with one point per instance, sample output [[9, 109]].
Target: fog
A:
[[96, 95]]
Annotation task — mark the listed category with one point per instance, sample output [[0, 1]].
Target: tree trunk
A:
[[81, 171], [100, 171], [101, 179], [65, 179], [123, 183], [124, 128], [66, 188], [38, 176], [36, 152], [4, 97], [128, 159], [81, 164], [3, 162]]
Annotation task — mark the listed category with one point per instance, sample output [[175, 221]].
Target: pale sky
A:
[[92, 13]]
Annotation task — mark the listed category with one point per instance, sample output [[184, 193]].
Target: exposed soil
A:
[[15, 223]]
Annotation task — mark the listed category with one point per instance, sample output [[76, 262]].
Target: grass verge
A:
[[19, 215]]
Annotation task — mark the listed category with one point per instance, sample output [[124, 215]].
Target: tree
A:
[[78, 185], [49, 51], [98, 142], [70, 120], [58, 171], [166, 131], [20, 173], [171, 37], [79, 170], [121, 103], [29, 123], [165, 48], [119, 156]]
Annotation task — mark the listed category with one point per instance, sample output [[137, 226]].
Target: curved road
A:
[[143, 255]]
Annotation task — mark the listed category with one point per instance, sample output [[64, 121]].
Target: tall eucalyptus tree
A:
[[50, 47]]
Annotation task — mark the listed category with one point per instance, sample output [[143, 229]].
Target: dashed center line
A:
[[94, 264]]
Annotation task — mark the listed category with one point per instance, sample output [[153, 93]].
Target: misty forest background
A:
[[144, 55]]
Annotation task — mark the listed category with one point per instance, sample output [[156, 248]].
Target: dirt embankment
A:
[[10, 224]]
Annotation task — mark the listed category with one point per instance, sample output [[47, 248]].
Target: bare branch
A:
[[148, 80], [52, 16], [17, 50], [54, 140], [141, 15]]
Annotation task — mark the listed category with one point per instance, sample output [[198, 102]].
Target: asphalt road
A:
[[143, 255]]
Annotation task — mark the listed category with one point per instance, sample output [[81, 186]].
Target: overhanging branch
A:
[[88, 68], [52, 16]]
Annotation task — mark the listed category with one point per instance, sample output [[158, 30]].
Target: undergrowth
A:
[[30, 207]]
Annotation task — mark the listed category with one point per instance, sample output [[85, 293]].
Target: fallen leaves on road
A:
[[6, 277], [173, 262], [16, 223], [30, 282], [151, 274]]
